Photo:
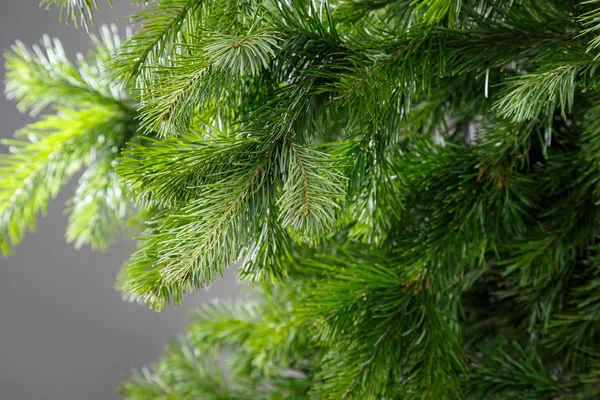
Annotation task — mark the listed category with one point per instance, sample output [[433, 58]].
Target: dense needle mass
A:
[[409, 187]]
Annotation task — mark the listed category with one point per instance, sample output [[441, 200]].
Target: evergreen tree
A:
[[410, 188]]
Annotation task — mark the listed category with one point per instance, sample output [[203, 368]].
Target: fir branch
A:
[[47, 154], [162, 24], [269, 255], [244, 54], [374, 353], [573, 329], [183, 373], [99, 206], [482, 205], [171, 111], [223, 221], [526, 96], [93, 120], [311, 190], [368, 320], [311, 18], [437, 10], [509, 370], [464, 227], [206, 234], [545, 253], [267, 343], [376, 192], [80, 12], [364, 11], [591, 22], [43, 76], [224, 218], [505, 368], [171, 172], [192, 83]]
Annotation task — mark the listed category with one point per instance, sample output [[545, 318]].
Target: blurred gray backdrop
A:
[[65, 334]]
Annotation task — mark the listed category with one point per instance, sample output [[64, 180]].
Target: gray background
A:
[[65, 334]]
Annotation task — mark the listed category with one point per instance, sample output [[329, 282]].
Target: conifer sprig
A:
[[46, 154], [93, 121], [44, 76], [527, 95], [163, 27], [99, 207], [412, 183], [220, 211], [267, 344], [80, 12]]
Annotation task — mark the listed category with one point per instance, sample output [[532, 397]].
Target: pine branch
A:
[[266, 340], [527, 95], [508, 371], [203, 238], [368, 320], [183, 373], [99, 206], [44, 157], [591, 22], [462, 136], [270, 254], [194, 82], [164, 26], [437, 10], [44, 76], [80, 12], [311, 190]]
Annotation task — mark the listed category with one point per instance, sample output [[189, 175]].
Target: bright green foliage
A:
[[263, 339], [80, 12], [436, 10], [411, 186], [546, 89], [99, 206], [93, 121]]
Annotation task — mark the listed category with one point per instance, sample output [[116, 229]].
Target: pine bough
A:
[[411, 188]]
